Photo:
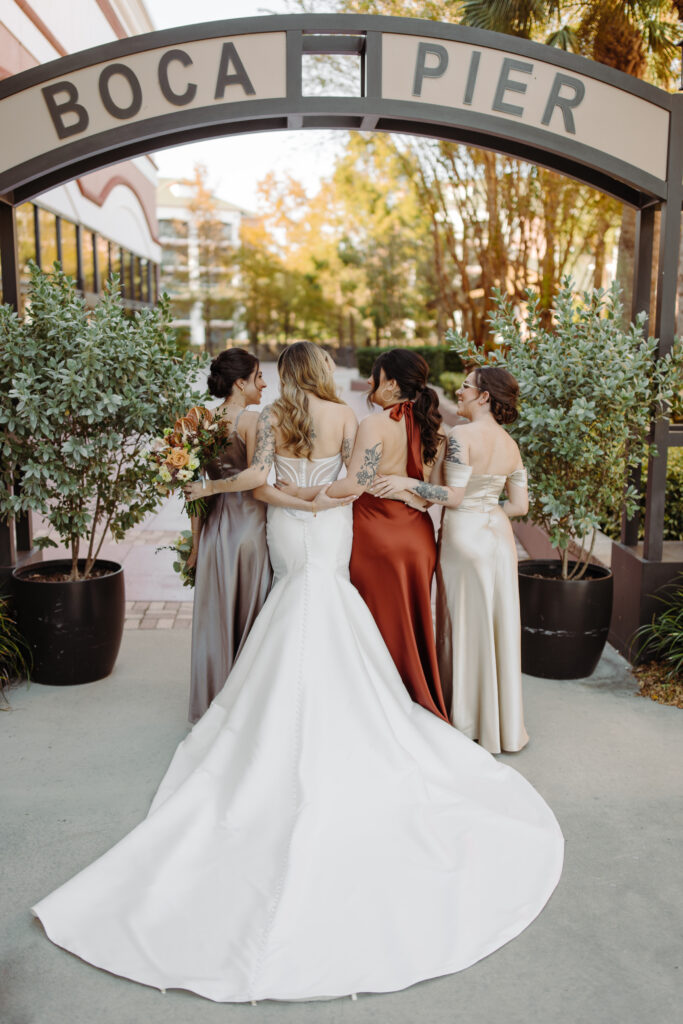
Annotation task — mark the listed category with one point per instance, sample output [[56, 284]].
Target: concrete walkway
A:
[[80, 765]]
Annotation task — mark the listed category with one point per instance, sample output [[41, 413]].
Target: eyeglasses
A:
[[468, 384]]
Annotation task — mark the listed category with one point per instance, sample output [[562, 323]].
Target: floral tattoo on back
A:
[[368, 470]]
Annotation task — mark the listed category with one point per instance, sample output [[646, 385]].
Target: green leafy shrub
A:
[[450, 382], [589, 389], [673, 507], [662, 639], [81, 395], [15, 658], [441, 359]]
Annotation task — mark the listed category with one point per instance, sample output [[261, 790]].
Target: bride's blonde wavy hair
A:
[[303, 368]]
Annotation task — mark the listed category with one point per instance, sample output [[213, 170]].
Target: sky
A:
[[237, 164]]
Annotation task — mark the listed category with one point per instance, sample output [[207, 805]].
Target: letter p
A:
[[422, 70]]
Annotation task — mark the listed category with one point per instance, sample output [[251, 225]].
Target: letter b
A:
[[58, 110]]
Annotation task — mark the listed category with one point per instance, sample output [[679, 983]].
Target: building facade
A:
[[199, 234], [106, 221]]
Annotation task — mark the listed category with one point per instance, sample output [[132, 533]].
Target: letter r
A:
[[70, 105], [422, 70]]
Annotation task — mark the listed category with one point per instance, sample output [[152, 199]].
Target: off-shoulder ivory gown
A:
[[477, 612], [317, 833]]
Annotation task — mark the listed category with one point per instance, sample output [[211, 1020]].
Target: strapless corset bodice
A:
[[308, 472], [482, 490]]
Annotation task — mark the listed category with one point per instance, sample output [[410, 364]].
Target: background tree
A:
[[212, 262]]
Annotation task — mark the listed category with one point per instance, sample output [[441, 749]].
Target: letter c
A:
[[178, 99]]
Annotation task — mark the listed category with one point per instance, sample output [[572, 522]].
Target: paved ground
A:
[[80, 765]]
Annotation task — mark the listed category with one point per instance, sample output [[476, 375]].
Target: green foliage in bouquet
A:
[[81, 395], [589, 389], [182, 546]]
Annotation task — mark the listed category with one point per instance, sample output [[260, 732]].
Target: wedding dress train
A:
[[317, 833]]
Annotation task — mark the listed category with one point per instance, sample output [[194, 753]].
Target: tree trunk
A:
[[627, 248], [74, 558]]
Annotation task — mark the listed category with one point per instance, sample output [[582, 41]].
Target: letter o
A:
[[136, 92]]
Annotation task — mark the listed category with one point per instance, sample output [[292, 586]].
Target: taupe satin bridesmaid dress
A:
[[477, 613], [233, 579]]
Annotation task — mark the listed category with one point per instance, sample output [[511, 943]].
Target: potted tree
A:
[[81, 395], [589, 389]]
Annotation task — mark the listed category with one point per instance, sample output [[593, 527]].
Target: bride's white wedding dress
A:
[[316, 834]]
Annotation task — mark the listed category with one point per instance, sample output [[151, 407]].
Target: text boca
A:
[[70, 116]]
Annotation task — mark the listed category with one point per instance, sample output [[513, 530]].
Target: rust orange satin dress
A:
[[393, 559]]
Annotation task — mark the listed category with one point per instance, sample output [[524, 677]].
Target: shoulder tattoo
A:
[[264, 450], [454, 450], [368, 470]]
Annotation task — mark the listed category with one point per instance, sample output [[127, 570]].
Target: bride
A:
[[317, 833]]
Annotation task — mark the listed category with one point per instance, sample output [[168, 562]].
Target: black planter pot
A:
[[564, 622], [74, 629]]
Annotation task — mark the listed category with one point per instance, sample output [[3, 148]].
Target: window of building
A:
[[69, 250], [88, 260], [47, 228]]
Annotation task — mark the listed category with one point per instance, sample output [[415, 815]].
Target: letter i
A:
[[472, 77]]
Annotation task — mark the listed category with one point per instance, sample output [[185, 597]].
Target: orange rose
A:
[[178, 458]]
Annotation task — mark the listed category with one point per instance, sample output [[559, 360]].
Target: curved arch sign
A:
[[100, 106]]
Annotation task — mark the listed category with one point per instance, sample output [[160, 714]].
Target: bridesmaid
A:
[[394, 549], [477, 624], [233, 574]]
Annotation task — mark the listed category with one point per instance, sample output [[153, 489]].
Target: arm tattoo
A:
[[454, 450], [264, 450], [432, 492], [367, 472], [347, 447]]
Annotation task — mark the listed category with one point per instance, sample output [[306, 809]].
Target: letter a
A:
[[239, 77], [67, 106]]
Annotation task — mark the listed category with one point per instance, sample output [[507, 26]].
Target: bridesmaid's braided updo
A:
[[503, 391]]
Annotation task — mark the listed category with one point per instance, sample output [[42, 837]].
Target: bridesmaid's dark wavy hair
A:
[[503, 391], [231, 365], [410, 370]]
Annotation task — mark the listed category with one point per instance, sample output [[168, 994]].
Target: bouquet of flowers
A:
[[179, 457], [182, 546]]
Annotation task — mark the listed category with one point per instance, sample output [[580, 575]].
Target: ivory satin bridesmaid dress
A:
[[477, 613]]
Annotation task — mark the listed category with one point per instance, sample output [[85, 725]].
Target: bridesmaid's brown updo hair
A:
[[503, 391], [410, 370], [231, 365]]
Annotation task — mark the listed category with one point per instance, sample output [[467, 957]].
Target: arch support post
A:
[[642, 278], [639, 572], [665, 329]]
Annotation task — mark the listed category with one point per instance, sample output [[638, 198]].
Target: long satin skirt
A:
[[478, 628], [392, 565], [233, 581]]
